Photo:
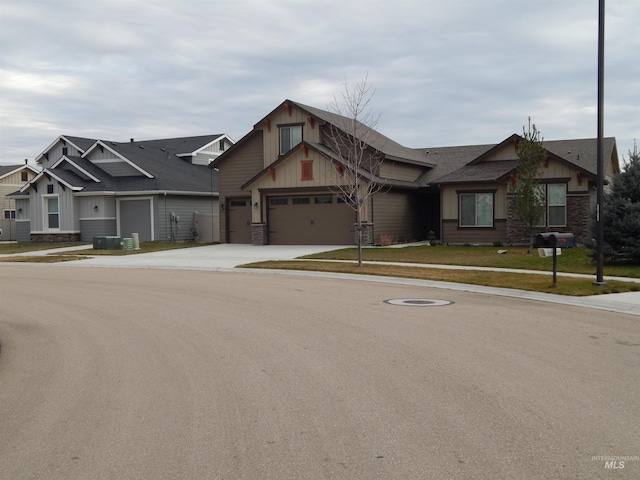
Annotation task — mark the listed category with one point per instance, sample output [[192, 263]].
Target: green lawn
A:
[[573, 260]]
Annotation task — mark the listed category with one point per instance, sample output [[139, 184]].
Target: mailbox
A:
[[555, 239]]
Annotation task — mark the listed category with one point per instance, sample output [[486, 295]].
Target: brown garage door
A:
[[239, 217], [310, 220]]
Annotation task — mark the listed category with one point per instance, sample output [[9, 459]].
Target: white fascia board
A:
[[64, 158], [51, 174], [121, 157], [62, 137], [39, 157], [217, 139], [145, 192]]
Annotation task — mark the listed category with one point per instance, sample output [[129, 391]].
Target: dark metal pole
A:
[[600, 173]]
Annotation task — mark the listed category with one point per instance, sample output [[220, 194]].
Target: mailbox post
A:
[[550, 241], [553, 241]]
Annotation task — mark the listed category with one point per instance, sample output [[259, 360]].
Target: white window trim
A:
[[45, 212]]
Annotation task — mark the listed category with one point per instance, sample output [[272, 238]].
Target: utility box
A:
[[555, 239], [107, 243]]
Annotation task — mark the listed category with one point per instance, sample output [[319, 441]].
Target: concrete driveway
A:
[[210, 257]]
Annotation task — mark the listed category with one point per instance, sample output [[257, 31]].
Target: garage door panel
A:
[[309, 220]]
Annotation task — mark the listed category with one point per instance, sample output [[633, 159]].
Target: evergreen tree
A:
[[621, 217]]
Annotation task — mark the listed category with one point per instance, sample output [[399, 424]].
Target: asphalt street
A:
[[166, 373]]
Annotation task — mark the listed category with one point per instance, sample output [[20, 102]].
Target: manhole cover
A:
[[418, 302]]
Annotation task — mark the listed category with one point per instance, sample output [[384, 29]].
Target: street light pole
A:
[[600, 160]]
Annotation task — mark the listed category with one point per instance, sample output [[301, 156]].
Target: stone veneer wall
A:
[[578, 221], [258, 233], [367, 233], [54, 237]]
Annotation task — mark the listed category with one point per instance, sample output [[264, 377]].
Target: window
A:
[[290, 137], [476, 210], [53, 214], [306, 170], [9, 214], [323, 199], [222, 145], [237, 203], [301, 201], [50, 188], [24, 176], [557, 205], [275, 201]]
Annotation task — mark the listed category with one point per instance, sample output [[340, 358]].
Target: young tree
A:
[[621, 216], [350, 137], [529, 196]]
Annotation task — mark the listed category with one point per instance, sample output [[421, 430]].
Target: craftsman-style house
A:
[[277, 185]]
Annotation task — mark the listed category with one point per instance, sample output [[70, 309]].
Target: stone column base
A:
[[259, 234]]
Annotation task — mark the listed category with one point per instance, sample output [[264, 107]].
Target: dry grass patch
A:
[[530, 282], [42, 258]]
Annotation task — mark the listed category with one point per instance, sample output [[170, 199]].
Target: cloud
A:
[[445, 73]]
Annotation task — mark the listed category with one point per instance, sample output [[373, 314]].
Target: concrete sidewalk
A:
[[227, 257]]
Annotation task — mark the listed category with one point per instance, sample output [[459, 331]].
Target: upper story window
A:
[[476, 209], [222, 145], [24, 176], [50, 188], [290, 136]]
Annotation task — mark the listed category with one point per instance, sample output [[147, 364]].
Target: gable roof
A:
[[158, 161], [6, 170], [80, 143], [579, 153], [391, 149]]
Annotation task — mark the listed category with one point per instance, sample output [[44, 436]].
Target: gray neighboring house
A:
[[160, 189]]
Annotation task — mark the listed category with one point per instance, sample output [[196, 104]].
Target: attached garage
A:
[[310, 220]]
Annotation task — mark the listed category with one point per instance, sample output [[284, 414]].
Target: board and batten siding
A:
[[66, 208], [450, 198], [394, 217], [240, 165], [310, 133], [56, 151], [397, 171]]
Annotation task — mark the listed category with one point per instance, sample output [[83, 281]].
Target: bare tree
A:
[[353, 139]]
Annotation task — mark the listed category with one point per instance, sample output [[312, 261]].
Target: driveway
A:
[[210, 257]]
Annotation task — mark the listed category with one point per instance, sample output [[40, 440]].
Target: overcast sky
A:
[[445, 72]]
